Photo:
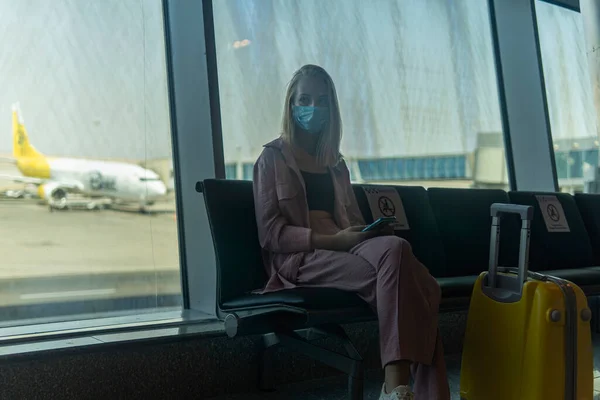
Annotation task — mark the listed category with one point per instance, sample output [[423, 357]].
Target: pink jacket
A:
[[282, 211]]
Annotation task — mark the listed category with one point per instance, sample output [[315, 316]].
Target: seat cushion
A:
[[301, 297], [423, 234], [556, 250], [457, 286]]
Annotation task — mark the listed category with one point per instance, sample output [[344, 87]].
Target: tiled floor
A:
[[335, 388]]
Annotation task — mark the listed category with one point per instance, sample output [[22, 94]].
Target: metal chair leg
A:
[[350, 363], [265, 371], [355, 388]]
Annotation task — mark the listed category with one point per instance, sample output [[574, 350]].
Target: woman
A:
[[310, 230]]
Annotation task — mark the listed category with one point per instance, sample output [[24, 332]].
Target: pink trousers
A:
[[385, 273]]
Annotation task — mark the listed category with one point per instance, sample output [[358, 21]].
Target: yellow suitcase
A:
[[528, 335]]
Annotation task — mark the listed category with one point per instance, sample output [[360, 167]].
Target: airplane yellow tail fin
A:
[[21, 146]]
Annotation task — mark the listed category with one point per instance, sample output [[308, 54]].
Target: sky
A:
[[89, 76], [414, 77]]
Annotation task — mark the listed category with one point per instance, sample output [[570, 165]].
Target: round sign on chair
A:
[[386, 206]]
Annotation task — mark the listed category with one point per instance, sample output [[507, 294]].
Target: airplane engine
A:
[[55, 195]]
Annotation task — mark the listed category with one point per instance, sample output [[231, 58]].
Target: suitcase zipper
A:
[[571, 320]]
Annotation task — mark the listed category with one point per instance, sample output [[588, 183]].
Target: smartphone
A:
[[381, 222]]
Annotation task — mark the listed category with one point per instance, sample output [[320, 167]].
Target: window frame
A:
[[197, 142]]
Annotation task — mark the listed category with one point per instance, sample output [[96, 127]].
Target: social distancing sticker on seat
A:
[[553, 213], [386, 202]]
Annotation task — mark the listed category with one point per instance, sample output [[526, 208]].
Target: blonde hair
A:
[[328, 147]]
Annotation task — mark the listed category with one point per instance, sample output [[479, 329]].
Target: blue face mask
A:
[[311, 119]]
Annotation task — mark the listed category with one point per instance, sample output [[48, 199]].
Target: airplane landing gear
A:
[[58, 200], [144, 205], [93, 206], [60, 205]]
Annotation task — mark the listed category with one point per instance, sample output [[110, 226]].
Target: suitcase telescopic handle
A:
[[511, 286], [525, 212]]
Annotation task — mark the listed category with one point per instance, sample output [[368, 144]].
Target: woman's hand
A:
[[346, 239], [350, 237], [387, 230]]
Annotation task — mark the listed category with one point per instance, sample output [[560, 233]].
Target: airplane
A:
[[58, 177]]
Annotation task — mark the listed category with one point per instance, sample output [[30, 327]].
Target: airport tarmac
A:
[[93, 259]]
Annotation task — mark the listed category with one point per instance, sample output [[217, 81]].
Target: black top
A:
[[319, 191]]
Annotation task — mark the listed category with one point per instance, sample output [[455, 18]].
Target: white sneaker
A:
[[400, 393]]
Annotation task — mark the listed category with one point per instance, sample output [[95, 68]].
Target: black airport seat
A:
[[426, 241], [293, 317], [589, 208], [449, 231], [565, 254]]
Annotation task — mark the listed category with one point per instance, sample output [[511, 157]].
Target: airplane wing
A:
[[71, 186], [23, 179], [8, 160]]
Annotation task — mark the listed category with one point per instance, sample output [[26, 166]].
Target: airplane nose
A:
[[160, 189]]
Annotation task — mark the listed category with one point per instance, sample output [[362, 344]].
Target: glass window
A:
[[248, 171], [430, 167], [561, 160], [400, 168], [569, 92], [440, 168], [390, 170], [420, 168], [590, 160], [415, 80], [576, 164], [461, 162], [410, 169], [230, 171], [366, 169], [87, 206]]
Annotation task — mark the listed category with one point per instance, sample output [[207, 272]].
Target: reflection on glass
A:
[[569, 93], [416, 84], [86, 193]]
